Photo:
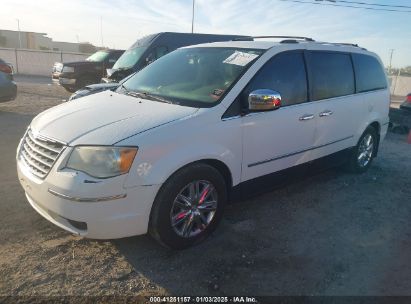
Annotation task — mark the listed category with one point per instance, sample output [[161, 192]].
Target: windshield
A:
[[197, 77], [100, 56], [129, 58]]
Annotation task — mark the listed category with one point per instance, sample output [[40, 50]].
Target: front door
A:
[[282, 138]]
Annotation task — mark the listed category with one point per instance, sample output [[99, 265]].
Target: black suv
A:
[[75, 75], [144, 51], [149, 48]]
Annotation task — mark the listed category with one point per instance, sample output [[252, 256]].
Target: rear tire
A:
[[188, 206], [364, 152]]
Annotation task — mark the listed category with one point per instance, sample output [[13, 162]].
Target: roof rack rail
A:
[[349, 44], [262, 37]]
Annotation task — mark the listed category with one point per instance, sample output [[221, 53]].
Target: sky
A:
[[124, 21]]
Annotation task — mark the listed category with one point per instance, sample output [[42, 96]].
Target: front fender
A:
[[148, 171], [164, 150]]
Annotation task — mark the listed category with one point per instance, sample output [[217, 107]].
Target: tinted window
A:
[[113, 57], [331, 75], [284, 73], [129, 58], [369, 73], [160, 51], [99, 56]]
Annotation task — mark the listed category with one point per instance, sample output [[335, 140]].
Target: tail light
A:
[[409, 98], [5, 68]]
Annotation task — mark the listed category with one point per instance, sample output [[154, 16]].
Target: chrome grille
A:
[[39, 154]]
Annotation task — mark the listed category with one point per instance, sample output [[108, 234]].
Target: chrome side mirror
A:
[[264, 100]]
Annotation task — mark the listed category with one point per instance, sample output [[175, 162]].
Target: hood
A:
[[105, 118], [102, 86], [93, 89], [118, 74]]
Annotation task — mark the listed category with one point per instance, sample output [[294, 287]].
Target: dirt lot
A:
[[330, 234], [34, 95]]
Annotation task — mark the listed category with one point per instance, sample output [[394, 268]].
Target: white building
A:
[[40, 41]]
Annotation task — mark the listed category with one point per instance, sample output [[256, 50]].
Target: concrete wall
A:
[[38, 41], [400, 85], [34, 62]]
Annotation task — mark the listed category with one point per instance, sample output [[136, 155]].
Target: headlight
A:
[[102, 162], [68, 69]]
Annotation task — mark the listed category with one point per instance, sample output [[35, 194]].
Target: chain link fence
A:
[[37, 62]]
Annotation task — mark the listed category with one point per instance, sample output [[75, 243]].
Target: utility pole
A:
[[192, 19], [101, 31], [18, 28], [389, 68]]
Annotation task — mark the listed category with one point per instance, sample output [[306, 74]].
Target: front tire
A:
[[188, 206], [364, 152]]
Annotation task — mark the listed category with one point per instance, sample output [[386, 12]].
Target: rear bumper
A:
[[9, 93]]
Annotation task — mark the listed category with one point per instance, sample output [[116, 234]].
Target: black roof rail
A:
[[262, 37], [349, 44]]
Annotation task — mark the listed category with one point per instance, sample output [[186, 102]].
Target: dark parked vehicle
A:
[[93, 89], [151, 47], [406, 105], [98, 87], [75, 75], [143, 52], [6, 68], [8, 88]]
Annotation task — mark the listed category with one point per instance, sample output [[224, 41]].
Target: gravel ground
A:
[[34, 95], [332, 233]]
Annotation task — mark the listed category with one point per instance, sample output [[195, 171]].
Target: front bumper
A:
[[103, 209], [55, 76], [67, 81]]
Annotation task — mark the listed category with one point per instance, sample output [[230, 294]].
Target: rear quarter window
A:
[[369, 73], [331, 74]]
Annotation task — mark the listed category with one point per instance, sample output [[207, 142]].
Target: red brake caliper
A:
[[181, 215], [202, 198]]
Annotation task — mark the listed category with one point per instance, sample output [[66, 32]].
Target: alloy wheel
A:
[[365, 150], [194, 208]]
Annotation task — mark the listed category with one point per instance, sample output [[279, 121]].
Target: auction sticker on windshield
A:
[[240, 58]]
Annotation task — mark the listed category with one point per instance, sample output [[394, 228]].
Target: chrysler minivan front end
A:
[[96, 168], [82, 189]]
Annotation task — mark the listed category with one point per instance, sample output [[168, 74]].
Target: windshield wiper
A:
[[122, 87], [148, 96]]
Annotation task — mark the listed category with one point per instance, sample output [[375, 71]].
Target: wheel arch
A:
[[217, 164]]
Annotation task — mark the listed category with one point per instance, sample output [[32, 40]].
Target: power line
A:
[[349, 6], [367, 3]]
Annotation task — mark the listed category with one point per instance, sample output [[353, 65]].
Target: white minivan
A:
[[166, 151]]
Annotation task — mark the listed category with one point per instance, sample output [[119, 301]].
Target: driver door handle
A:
[[306, 117], [326, 113]]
